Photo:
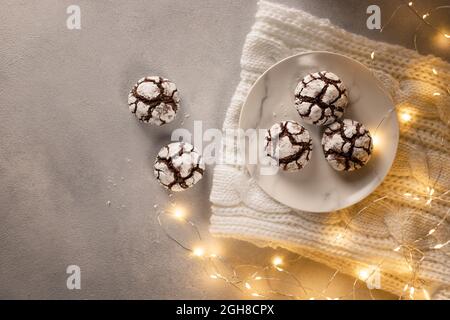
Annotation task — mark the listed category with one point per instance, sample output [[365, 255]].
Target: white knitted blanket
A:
[[242, 210]]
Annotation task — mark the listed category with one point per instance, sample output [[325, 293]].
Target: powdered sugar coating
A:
[[178, 166], [154, 100], [347, 145], [289, 145], [321, 98]]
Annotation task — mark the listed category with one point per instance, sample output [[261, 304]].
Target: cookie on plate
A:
[[347, 145], [289, 145], [321, 98]]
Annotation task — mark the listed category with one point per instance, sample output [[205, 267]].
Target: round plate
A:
[[318, 187]]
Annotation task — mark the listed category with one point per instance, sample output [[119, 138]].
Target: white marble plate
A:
[[319, 188]]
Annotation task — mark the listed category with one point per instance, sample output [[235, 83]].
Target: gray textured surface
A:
[[66, 135]]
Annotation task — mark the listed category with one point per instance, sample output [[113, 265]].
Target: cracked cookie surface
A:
[[347, 145], [289, 145], [321, 98], [154, 100], [178, 166]]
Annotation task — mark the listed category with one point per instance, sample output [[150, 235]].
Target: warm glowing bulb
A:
[[411, 292], [363, 274], [436, 94], [438, 246], [397, 249], [179, 213], [375, 141], [372, 55], [406, 117], [276, 261], [434, 71], [248, 286], [426, 294], [410, 4], [199, 252], [447, 36], [425, 16]]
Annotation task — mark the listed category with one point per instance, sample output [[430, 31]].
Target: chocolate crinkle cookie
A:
[[347, 145], [178, 166], [154, 100], [289, 145], [321, 98]]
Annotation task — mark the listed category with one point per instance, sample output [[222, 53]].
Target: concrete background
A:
[[68, 143]]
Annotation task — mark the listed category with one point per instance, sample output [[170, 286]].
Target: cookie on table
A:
[[154, 100], [178, 166]]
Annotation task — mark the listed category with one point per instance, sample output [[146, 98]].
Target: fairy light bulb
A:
[[198, 252], [376, 141], [363, 274], [179, 214], [405, 117], [277, 261]]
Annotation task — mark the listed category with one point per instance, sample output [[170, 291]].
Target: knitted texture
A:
[[242, 210]]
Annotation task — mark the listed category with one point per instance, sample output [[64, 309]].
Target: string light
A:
[[411, 292], [375, 141], [441, 245], [405, 117], [436, 94], [198, 252], [179, 214], [434, 71], [426, 294], [277, 261], [363, 274], [410, 4]]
